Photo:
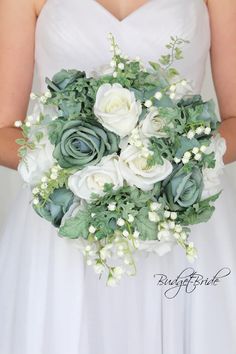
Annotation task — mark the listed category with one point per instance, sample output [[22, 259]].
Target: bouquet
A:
[[123, 161]]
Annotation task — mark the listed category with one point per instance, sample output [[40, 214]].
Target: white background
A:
[[10, 182]]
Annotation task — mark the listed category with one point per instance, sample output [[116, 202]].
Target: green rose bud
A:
[[56, 206], [183, 189], [64, 78], [81, 143]]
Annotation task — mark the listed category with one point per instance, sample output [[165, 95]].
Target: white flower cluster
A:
[[198, 131], [44, 183], [195, 153], [116, 256], [176, 91]]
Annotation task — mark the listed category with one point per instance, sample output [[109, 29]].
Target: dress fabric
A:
[[50, 301]]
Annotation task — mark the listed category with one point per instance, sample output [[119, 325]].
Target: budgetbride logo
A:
[[188, 281]]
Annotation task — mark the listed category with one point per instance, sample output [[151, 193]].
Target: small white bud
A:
[[89, 262], [115, 74], [28, 124], [113, 63], [36, 201], [53, 176], [198, 157], [35, 190], [195, 150], [178, 228], [148, 103], [125, 233], [200, 130], [166, 213], [120, 222], [185, 160], [44, 179], [172, 96], [44, 186], [136, 234], [207, 130], [176, 235], [43, 99], [173, 88], [183, 82], [187, 155], [165, 225], [173, 215], [153, 216], [92, 229], [18, 123], [158, 95], [130, 218], [121, 66], [190, 134], [177, 160], [203, 148], [54, 169], [111, 206]]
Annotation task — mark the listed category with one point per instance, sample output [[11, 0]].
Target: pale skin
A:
[[17, 29]]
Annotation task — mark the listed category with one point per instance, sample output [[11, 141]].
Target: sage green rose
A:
[[82, 143], [183, 189], [63, 79], [56, 206]]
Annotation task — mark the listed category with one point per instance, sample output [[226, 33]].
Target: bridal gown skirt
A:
[[52, 303]]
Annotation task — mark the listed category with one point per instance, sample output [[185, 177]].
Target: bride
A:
[[50, 302]]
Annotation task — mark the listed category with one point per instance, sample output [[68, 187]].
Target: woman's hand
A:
[[223, 61]]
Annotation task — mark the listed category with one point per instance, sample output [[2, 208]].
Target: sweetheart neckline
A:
[[130, 15]]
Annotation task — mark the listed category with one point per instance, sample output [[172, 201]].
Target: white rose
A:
[[117, 109], [37, 162], [153, 125], [92, 178], [211, 176], [135, 172]]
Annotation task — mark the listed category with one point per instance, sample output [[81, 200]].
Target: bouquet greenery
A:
[[123, 161]]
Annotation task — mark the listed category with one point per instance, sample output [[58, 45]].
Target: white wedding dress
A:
[[50, 301]]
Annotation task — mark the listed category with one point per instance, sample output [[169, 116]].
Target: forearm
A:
[[8, 147], [228, 131]]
